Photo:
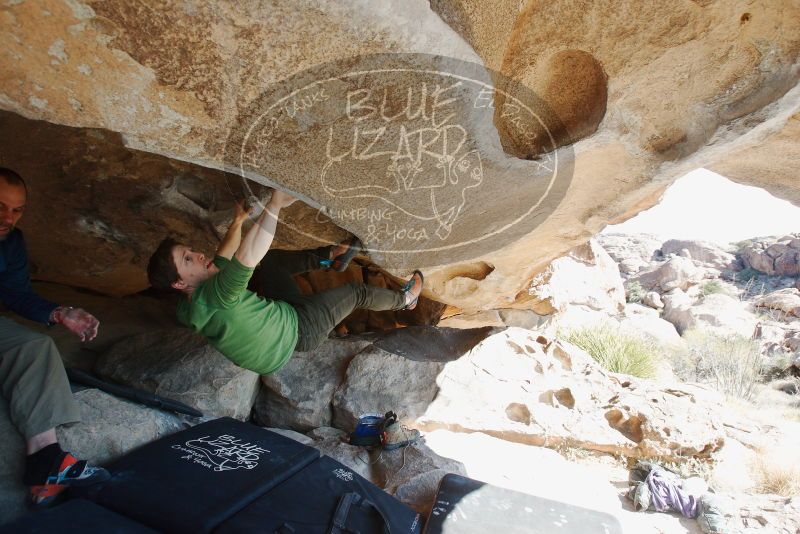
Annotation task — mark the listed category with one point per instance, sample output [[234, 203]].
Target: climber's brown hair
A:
[[161, 269]]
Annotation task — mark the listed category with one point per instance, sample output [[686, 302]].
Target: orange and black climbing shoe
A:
[[67, 471]]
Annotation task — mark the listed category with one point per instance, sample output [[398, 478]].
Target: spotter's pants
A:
[[33, 380]]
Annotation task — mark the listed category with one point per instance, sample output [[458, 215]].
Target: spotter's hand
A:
[[80, 322]]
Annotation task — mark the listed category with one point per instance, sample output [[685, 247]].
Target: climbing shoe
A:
[[342, 261], [410, 285], [66, 471]]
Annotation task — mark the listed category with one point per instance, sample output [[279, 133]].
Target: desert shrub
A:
[[729, 362], [788, 384], [747, 275], [741, 246], [617, 351], [688, 466], [778, 367], [753, 287], [712, 287], [776, 472], [635, 292]]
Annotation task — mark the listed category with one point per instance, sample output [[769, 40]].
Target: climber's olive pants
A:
[[318, 315], [33, 380]]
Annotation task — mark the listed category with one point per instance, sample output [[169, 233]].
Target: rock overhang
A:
[[632, 87]]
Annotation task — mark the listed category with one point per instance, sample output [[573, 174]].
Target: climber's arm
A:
[[258, 239], [233, 237]]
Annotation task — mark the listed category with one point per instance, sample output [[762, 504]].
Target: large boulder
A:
[[510, 386], [379, 381], [786, 301], [707, 253], [181, 365], [110, 427], [575, 318], [587, 276], [676, 273], [780, 257], [503, 317], [677, 310], [653, 299], [299, 395], [123, 67], [725, 313], [633, 252], [650, 325], [717, 311]]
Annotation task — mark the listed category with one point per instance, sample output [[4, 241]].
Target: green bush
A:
[[712, 287], [746, 275], [617, 351], [635, 292], [742, 245], [730, 363]]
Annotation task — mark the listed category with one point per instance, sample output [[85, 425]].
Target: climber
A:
[[32, 375], [258, 333]]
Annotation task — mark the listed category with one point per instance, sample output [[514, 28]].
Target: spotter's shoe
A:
[[67, 471]]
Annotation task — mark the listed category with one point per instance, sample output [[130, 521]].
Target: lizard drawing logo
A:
[[226, 452], [405, 151], [428, 171]]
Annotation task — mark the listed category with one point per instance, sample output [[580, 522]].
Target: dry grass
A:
[[617, 351], [770, 406], [690, 467], [777, 471], [729, 363], [713, 287], [576, 454]]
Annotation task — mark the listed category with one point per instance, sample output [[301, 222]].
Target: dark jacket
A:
[[15, 283]]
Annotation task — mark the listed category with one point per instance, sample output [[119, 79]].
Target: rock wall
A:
[[97, 210], [638, 96], [780, 257]]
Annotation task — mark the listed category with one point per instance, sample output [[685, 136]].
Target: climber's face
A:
[[193, 267]]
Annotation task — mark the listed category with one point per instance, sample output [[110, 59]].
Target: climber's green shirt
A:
[[254, 333]]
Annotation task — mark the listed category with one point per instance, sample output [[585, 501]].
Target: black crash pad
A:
[[307, 502], [193, 480], [77, 516], [466, 506]]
